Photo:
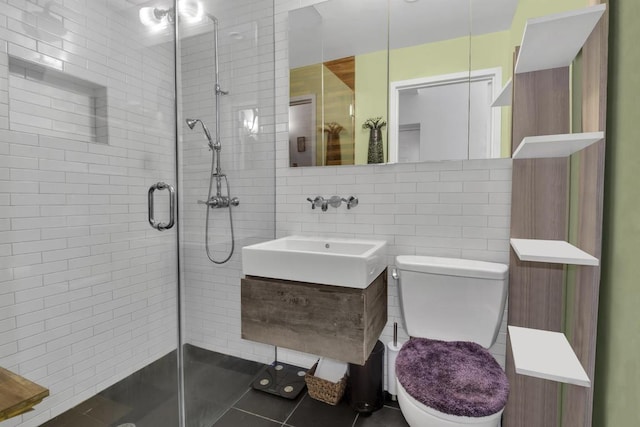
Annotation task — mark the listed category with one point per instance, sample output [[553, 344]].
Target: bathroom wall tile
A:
[[465, 175], [503, 198], [465, 198], [489, 164], [488, 187], [247, 71], [500, 174]]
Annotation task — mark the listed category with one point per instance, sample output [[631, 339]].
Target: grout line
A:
[[230, 407], [240, 398], [355, 419], [294, 409], [391, 407], [257, 415]]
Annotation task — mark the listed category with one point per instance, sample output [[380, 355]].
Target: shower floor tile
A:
[[313, 413], [103, 409], [218, 394], [267, 405], [235, 418]]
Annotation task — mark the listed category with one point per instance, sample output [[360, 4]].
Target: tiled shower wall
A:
[[87, 288], [246, 58]]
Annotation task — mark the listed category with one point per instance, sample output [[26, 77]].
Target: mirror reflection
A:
[[338, 80], [434, 72]]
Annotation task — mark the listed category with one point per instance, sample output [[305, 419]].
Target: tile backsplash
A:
[[456, 209]]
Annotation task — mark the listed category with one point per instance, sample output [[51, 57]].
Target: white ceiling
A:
[[338, 28]]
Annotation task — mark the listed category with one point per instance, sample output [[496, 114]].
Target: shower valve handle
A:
[[313, 204], [220, 202], [318, 202]]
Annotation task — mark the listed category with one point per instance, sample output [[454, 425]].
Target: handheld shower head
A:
[[192, 122]]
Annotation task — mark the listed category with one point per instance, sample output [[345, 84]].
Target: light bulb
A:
[[148, 16], [191, 10]]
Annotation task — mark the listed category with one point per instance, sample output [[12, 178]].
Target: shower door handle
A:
[[172, 201]]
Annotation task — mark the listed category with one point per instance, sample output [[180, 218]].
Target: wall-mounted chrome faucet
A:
[[351, 202], [318, 202], [333, 201]]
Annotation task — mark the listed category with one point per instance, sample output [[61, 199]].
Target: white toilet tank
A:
[[452, 299]]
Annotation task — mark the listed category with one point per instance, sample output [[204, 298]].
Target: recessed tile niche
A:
[[50, 102]]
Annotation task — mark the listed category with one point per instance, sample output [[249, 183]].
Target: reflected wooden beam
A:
[[344, 69]]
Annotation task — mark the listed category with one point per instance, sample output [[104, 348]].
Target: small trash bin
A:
[[366, 393]]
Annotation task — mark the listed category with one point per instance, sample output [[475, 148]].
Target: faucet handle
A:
[[318, 202], [351, 202], [313, 204]]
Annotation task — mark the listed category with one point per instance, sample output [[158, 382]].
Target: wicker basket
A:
[[323, 390]]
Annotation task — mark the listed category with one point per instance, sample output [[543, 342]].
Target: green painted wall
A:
[[617, 382]]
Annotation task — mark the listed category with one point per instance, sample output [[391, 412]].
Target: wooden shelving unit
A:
[[546, 146], [18, 395], [551, 251], [546, 355], [554, 41], [542, 301]]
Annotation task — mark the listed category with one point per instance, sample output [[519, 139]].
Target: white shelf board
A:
[[554, 41], [547, 355], [504, 97], [536, 147], [553, 251]]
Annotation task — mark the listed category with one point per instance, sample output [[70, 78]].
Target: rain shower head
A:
[[192, 122]]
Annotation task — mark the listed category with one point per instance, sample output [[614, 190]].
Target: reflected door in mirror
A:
[[302, 134], [435, 124]]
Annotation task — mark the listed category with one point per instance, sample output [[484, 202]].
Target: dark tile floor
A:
[[218, 394]]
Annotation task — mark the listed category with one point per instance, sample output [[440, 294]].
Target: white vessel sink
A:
[[352, 263]]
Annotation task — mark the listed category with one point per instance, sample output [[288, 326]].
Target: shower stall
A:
[[108, 294]]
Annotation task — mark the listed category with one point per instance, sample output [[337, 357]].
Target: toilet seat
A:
[[459, 379], [419, 415]]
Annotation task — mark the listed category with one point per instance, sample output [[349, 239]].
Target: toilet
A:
[[452, 310]]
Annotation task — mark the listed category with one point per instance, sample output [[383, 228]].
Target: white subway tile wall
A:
[[247, 126], [87, 288], [455, 209]]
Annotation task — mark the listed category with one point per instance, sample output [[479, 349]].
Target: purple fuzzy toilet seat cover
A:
[[457, 378]]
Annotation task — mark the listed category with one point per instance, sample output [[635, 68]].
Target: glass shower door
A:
[[226, 61], [88, 289]]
